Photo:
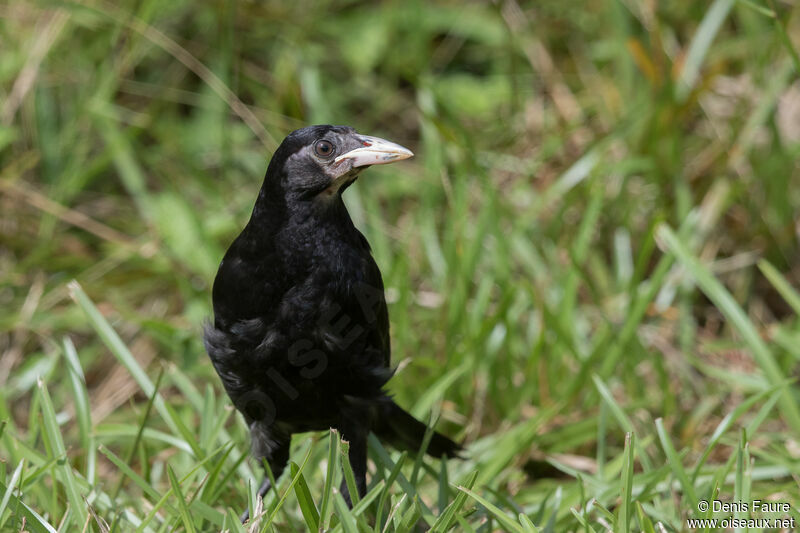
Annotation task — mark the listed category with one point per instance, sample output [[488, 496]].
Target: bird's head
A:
[[319, 162]]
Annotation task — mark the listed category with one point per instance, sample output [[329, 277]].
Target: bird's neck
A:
[[279, 222]]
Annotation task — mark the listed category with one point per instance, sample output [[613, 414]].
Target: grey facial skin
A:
[[349, 154]]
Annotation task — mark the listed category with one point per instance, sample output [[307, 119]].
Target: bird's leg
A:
[[262, 491], [265, 486], [355, 433], [272, 448]]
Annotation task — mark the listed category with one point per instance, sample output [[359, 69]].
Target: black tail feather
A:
[[404, 432]]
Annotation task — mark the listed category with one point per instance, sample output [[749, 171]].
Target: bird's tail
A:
[[404, 432]]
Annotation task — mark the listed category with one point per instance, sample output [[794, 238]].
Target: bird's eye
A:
[[323, 148]]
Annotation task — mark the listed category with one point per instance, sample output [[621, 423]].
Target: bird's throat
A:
[[339, 185]]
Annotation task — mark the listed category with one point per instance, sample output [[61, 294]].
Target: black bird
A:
[[301, 330]]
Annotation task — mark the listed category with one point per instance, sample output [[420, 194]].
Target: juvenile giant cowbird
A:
[[301, 331]]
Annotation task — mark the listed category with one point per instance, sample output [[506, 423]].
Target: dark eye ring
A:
[[323, 148]]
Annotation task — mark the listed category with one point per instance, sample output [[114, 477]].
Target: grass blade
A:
[[626, 507], [345, 515], [448, 516], [82, 410], [53, 434], [326, 507], [347, 468], [126, 358], [737, 317], [34, 521], [701, 42], [10, 488], [495, 511], [675, 464], [183, 509], [304, 499], [780, 283], [741, 488]]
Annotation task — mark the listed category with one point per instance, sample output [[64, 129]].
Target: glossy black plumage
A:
[[301, 331]]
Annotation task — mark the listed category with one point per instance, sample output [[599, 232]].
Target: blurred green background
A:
[[598, 236]]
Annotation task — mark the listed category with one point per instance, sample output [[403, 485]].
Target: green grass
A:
[[592, 263]]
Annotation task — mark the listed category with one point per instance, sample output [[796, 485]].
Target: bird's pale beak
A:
[[375, 151]]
